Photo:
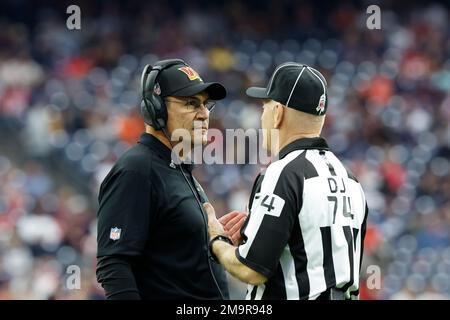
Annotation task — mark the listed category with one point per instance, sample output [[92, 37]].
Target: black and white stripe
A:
[[294, 86], [300, 243]]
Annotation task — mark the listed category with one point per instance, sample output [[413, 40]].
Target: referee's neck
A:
[[291, 138]]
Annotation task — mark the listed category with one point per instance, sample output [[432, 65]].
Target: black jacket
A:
[[152, 234]]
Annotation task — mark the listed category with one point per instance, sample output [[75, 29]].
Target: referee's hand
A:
[[232, 223]]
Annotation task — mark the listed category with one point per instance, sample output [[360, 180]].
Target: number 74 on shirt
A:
[[337, 189]]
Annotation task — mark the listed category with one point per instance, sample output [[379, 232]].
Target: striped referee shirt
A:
[[306, 226]]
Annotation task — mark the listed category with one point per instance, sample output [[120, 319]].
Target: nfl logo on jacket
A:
[[115, 233]]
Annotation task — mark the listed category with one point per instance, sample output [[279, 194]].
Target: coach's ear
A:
[[278, 115]]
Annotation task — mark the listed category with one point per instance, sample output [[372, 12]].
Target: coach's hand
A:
[[232, 223], [214, 226]]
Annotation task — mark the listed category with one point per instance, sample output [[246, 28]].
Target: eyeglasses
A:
[[195, 104]]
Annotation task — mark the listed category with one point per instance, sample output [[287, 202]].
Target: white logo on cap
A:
[[321, 106]]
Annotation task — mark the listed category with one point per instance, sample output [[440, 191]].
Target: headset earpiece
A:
[[153, 108]]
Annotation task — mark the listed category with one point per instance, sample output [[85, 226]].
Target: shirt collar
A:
[[161, 150], [304, 143]]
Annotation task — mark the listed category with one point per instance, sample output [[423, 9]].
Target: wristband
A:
[[221, 238]]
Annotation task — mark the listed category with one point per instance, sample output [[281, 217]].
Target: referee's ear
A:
[[278, 115]]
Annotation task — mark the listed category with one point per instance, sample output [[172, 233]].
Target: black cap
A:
[[183, 81], [296, 86]]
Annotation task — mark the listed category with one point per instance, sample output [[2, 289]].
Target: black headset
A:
[[154, 111], [153, 108]]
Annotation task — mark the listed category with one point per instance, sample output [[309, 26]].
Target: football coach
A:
[[152, 229]]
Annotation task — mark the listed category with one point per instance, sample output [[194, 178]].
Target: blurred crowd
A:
[[69, 108]]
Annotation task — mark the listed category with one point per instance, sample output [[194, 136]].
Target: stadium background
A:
[[68, 109]]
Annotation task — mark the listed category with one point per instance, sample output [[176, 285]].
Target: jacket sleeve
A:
[[122, 231], [116, 276]]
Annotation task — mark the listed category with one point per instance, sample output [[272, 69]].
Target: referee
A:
[[304, 236], [152, 231]]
